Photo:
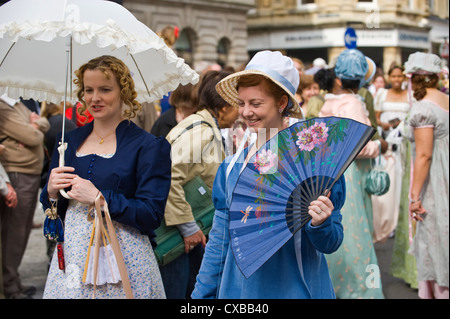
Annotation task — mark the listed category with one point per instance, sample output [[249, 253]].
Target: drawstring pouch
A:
[[377, 181], [54, 231], [53, 225]]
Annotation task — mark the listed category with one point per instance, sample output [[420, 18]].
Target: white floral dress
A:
[[137, 251]]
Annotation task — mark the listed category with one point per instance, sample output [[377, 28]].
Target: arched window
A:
[[185, 44], [223, 49]]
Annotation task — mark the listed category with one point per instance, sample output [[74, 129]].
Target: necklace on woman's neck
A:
[[102, 139]]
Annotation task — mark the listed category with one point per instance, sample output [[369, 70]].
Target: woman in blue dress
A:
[[265, 93]]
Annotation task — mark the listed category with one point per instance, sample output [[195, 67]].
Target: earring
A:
[[281, 110]]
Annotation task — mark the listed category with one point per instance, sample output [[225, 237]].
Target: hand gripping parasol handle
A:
[[61, 149]]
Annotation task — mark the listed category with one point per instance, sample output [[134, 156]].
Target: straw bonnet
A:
[[276, 67], [423, 63], [370, 71]]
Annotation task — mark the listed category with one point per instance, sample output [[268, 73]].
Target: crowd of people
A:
[[392, 106], [133, 158]]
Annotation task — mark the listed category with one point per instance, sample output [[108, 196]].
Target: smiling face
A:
[[310, 91], [102, 95], [396, 78], [260, 109]]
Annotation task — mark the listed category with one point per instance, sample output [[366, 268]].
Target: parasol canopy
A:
[[44, 41]]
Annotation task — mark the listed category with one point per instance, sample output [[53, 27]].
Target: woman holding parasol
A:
[[129, 167]]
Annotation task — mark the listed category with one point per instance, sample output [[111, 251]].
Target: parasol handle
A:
[[61, 149], [63, 146]]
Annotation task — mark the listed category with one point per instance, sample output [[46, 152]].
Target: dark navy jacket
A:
[[135, 181]]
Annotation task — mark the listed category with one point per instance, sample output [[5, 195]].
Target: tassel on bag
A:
[[54, 231], [106, 264]]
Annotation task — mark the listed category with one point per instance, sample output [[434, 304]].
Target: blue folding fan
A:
[[271, 198]]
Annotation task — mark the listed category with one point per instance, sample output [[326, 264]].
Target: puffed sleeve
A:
[[422, 115], [217, 246], [328, 236], [145, 210]]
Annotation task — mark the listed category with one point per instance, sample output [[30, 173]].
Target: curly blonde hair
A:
[[123, 76]]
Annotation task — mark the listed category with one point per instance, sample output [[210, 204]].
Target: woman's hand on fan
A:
[[320, 209]]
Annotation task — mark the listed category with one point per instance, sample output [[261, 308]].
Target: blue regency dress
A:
[[135, 182], [298, 270], [354, 266]]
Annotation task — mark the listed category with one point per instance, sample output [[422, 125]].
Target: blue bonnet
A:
[[351, 64]]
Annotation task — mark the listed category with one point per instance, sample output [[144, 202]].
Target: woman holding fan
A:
[[265, 93]]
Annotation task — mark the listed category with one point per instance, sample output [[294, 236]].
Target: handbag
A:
[[377, 181], [53, 225], [106, 265], [169, 242]]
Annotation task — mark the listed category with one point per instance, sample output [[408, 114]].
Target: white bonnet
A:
[[423, 63]]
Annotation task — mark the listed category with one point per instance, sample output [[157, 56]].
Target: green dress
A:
[[403, 264], [354, 267]]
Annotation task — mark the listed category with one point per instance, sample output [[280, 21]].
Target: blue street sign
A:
[[350, 38]]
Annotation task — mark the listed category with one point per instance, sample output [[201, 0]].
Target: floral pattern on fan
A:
[[265, 161], [311, 138]]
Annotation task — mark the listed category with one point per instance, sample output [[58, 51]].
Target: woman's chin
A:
[[254, 126]]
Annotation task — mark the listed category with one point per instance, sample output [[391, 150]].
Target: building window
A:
[[223, 48], [184, 46], [306, 4], [367, 3]]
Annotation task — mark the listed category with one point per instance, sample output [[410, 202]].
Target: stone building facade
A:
[[387, 30], [211, 31], [231, 31]]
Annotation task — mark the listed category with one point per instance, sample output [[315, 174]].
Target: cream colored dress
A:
[[386, 208]]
